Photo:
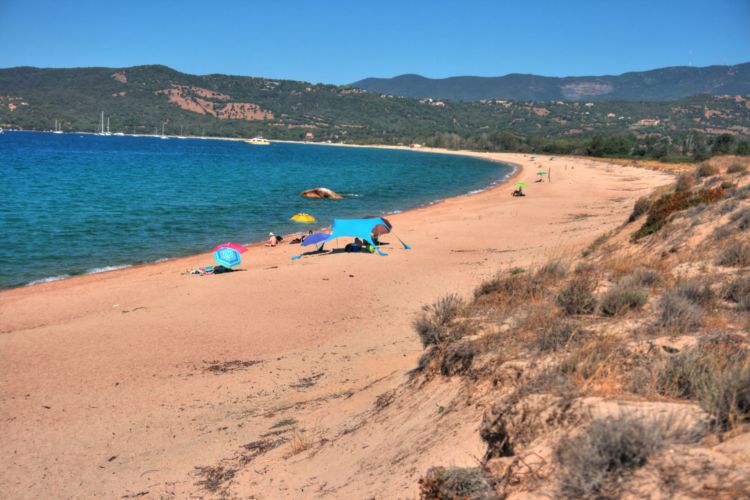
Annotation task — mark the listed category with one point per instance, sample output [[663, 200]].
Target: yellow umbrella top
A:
[[306, 218]]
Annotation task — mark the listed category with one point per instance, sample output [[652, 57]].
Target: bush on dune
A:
[[577, 297], [433, 323], [623, 298], [736, 254], [676, 201], [716, 373], [440, 483], [681, 308], [595, 462]]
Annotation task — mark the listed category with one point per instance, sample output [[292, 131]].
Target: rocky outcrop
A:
[[320, 193]]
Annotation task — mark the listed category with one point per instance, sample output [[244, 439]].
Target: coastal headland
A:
[[147, 382]]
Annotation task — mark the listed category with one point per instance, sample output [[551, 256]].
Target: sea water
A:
[[74, 204]]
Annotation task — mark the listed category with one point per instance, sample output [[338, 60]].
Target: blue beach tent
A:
[[357, 228]]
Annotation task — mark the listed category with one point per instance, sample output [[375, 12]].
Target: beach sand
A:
[[147, 382]]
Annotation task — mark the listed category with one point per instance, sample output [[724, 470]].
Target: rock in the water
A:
[[319, 193]]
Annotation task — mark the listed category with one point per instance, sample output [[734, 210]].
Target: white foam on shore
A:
[[104, 269], [48, 280]]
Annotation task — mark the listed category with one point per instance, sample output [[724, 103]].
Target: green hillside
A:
[[143, 99], [655, 85]]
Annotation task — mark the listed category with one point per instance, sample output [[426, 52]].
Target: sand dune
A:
[[147, 382]]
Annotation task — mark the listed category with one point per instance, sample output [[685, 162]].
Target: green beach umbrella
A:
[[521, 184]]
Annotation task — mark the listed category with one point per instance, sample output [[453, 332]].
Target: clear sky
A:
[[335, 41]]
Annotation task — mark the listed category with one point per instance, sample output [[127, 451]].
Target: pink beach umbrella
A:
[[233, 246]]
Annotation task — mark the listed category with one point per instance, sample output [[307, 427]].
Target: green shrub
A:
[[623, 298], [670, 203], [577, 297], [641, 207]]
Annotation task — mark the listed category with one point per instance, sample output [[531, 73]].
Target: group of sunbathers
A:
[[359, 245]]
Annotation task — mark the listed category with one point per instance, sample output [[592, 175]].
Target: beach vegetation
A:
[[466, 483], [675, 201], [577, 296], [622, 298], [716, 374], [735, 254], [434, 322], [596, 462]]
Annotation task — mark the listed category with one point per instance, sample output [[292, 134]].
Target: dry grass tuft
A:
[[738, 291], [623, 298], [577, 297], [433, 324], [716, 373], [300, 441], [596, 463], [706, 170], [643, 278], [440, 483], [681, 308], [735, 254], [742, 218], [736, 168]]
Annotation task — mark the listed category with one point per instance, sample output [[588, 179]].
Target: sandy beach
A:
[[135, 383]]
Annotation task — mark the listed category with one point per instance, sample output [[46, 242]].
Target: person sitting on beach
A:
[[354, 247], [272, 241], [518, 192]]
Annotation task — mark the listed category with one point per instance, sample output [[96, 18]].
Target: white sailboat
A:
[[162, 136], [57, 130]]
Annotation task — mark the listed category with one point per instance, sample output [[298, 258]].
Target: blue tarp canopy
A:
[[356, 228]]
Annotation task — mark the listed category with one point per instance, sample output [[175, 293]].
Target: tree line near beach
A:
[[149, 99]]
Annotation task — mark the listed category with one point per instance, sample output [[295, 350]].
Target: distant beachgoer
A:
[[518, 192], [272, 241]]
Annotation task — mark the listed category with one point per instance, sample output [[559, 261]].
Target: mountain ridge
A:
[[667, 83]]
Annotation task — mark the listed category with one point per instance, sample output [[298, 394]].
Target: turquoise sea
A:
[[75, 204]]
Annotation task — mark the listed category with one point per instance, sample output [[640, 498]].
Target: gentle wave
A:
[[48, 280], [104, 269]]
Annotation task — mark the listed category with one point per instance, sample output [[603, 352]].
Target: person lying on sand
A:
[[272, 241], [354, 247], [518, 192]]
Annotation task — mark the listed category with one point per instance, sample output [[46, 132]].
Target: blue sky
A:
[[334, 41]]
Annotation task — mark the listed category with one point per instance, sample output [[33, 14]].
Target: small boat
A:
[[162, 136], [57, 128], [258, 141]]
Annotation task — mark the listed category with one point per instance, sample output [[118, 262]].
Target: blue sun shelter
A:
[[227, 257], [359, 228]]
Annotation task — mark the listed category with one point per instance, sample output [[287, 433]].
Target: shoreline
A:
[[109, 269]]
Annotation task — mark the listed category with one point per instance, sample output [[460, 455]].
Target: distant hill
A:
[[143, 99], [655, 85]]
